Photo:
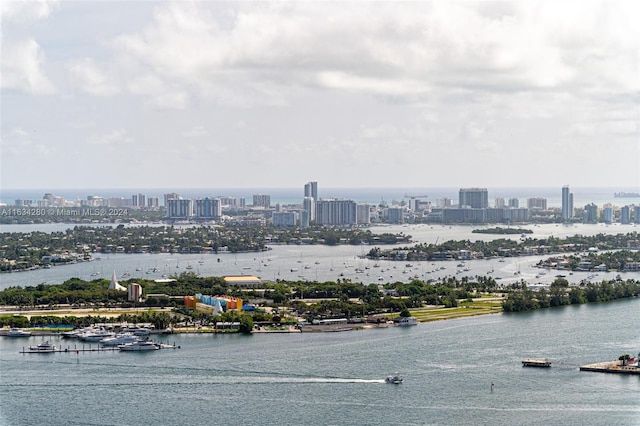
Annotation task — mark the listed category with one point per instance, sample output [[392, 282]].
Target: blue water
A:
[[337, 378]]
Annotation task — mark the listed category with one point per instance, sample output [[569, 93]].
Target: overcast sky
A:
[[349, 94]]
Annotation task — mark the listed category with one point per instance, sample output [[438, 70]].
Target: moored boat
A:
[[43, 347], [119, 339], [17, 332], [140, 345]]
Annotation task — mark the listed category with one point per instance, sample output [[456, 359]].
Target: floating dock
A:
[[88, 348], [614, 367], [532, 362]]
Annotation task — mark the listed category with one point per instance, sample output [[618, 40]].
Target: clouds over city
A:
[[421, 83]]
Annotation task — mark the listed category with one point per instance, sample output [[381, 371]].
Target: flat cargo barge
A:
[[531, 362]]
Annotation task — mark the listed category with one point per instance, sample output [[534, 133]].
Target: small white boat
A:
[[137, 331], [16, 332], [393, 379], [140, 345], [43, 347]]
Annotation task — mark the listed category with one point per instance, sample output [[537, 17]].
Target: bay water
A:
[[338, 378]]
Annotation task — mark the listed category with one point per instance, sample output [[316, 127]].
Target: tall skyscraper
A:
[[311, 190], [567, 203], [476, 198]]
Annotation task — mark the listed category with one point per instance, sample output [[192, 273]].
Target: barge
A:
[[531, 362]]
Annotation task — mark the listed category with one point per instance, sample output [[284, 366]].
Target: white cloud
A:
[[92, 77], [22, 68], [114, 137]]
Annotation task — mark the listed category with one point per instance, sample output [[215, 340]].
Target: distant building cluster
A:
[[472, 207]]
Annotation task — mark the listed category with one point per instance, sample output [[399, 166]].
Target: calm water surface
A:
[[322, 263], [337, 378]]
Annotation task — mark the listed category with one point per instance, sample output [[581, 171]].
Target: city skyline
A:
[[364, 94]]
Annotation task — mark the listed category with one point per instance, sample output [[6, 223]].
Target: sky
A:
[[113, 94]]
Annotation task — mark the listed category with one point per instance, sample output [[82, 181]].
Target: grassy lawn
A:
[[465, 309]]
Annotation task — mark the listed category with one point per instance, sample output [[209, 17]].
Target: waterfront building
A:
[[636, 214], [464, 215], [309, 205], [443, 203], [537, 203], [262, 200], [514, 203], [336, 212], [567, 203], [170, 196], [284, 219], [153, 202], [395, 215], [476, 198], [363, 214], [607, 214], [179, 209], [304, 219], [138, 200], [311, 190], [208, 208], [499, 203], [590, 214], [233, 203], [625, 215]]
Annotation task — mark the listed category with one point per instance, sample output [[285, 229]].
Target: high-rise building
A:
[[395, 215], [363, 215], [499, 204], [567, 203], [311, 190], [476, 198], [208, 208], [336, 212], [170, 196], [309, 204], [514, 203], [625, 215], [179, 209], [153, 202], [537, 203], [262, 200], [590, 214], [607, 214], [284, 219], [138, 200], [636, 214]]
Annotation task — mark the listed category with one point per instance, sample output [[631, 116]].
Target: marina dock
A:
[[614, 367], [85, 348]]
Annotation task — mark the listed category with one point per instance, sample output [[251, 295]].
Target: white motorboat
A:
[[16, 332], [140, 345], [43, 347], [96, 336], [393, 379], [137, 331], [119, 339]]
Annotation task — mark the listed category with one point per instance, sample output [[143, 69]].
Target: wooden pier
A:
[[613, 367]]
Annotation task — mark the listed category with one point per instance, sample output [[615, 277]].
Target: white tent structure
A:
[[114, 283]]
